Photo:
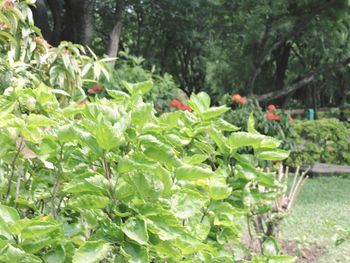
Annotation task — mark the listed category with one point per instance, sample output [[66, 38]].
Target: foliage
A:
[[130, 69], [89, 179], [325, 140], [279, 127]]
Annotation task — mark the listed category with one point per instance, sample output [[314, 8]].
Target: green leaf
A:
[[136, 253], [118, 95], [218, 189], [91, 252], [241, 139], [223, 125], [58, 255], [214, 112], [9, 253], [158, 151], [195, 159], [88, 201], [270, 247], [143, 114], [186, 203], [36, 120], [138, 88], [275, 155], [8, 214], [199, 102], [192, 173], [251, 124], [106, 136], [136, 229]]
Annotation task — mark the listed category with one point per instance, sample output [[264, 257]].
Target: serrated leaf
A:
[[91, 252], [136, 229]]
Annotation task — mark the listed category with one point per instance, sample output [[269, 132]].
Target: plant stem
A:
[[19, 177], [56, 184], [13, 164]]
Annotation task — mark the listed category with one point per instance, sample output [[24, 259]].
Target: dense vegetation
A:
[[277, 50], [105, 178]]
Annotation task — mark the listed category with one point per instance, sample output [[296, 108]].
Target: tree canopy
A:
[[274, 50]]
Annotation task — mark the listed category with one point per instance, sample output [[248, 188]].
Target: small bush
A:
[[325, 141]]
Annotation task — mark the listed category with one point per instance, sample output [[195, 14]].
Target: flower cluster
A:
[[236, 98], [179, 105], [95, 89], [271, 114]]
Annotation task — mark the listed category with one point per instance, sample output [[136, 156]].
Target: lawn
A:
[[322, 200]]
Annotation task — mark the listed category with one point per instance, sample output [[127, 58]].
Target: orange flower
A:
[[243, 101], [277, 118], [271, 107], [236, 98], [270, 116], [8, 4]]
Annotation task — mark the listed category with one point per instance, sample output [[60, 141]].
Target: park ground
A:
[[308, 232]]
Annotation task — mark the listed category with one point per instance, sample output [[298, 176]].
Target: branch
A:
[[302, 82], [300, 27]]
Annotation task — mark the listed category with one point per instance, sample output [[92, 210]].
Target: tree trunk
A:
[[56, 7], [281, 57], [79, 21], [114, 36], [41, 19]]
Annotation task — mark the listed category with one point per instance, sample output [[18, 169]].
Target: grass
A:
[[322, 200]]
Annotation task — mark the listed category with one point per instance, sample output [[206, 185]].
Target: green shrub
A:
[[90, 179], [325, 141]]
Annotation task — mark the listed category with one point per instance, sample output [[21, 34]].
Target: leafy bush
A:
[[279, 126], [325, 140], [129, 69], [87, 179]]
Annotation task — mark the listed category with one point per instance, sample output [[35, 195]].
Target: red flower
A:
[[271, 107], [97, 88], [175, 103], [91, 91], [179, 105], [270, 116]]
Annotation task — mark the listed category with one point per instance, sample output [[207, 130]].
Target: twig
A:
[[13, 163]]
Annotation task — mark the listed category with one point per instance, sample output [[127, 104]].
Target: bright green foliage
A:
[[109, 180], [324, 141]]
